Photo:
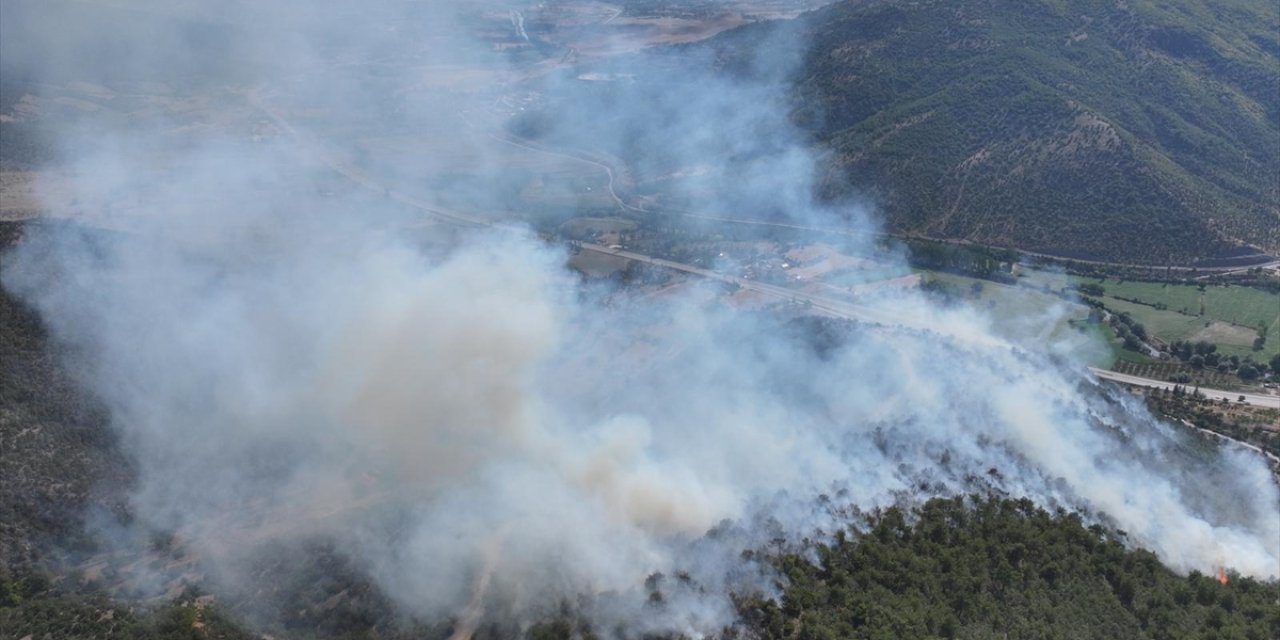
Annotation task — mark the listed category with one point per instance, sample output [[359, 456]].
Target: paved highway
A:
[[837, 308], [1213, 394], [834, 307], [862, 313]]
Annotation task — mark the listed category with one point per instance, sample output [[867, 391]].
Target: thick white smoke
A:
[[441, 404]]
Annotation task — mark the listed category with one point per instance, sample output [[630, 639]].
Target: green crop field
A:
[[1008, 302], [1176, 297], [1028, 314], [1168, 325], [1227, 316], [1245, 306]]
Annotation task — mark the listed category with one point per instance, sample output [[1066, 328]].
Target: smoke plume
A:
[[291, 351]]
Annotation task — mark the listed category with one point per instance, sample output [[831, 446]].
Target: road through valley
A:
[[833, 307]]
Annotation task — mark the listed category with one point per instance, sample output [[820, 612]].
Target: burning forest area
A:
[[495, 319]]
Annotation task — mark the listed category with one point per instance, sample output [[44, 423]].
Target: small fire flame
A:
[[1222, 576]]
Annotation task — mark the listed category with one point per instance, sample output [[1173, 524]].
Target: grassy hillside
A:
[[1132, 132]]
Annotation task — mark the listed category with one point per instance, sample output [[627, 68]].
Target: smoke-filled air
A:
[[334, 314]]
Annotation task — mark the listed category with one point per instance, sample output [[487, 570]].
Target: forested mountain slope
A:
[[996, 568], [1126, 131]]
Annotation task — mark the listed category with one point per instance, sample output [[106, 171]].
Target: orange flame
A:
[[1222, 576]]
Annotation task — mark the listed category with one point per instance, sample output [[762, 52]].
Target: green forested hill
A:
[[1135, 131], [1001, 568]]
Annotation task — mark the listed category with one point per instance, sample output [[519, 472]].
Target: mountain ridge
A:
[[1109, 131]]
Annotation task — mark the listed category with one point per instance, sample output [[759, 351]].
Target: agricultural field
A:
[[1166, 325], [1025, 313], [1228, 316], [1224, 315], [1208, 378]]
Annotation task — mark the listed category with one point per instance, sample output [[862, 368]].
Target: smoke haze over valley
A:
[[303, 256]]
